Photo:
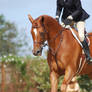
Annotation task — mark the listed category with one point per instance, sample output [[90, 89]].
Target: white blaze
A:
[[35, 31]]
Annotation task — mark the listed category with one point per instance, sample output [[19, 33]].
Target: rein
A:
[[54, 38], [54, 52]]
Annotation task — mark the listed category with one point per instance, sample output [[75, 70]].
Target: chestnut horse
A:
[[64, 51]]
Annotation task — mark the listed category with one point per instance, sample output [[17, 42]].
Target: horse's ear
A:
[[42, 19], [30, 18]]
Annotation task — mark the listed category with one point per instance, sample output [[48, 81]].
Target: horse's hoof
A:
[[63, 87]]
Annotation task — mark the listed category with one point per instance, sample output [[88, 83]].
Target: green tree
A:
[[8, 33], [85, 83]]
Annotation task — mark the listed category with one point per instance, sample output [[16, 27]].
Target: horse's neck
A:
[[53, 27]]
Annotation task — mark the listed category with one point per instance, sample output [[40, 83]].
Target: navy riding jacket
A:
[[71, 7]]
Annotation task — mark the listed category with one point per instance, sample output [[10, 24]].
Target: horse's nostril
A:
[[38, 51]]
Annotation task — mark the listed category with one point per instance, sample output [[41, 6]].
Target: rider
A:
[[73, 11]]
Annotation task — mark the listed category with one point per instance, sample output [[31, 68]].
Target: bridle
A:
[[42, 34], [43, 44]]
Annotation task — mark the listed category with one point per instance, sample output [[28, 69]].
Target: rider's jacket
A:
[[71, 7]]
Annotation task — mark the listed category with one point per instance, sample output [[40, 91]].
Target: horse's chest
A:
[[56, 66]]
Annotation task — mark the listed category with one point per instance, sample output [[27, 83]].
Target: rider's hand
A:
[[70, 17], [57, 18], [62, 24]]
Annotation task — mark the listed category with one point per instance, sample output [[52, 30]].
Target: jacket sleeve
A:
[[59, 8], [68, 3], [79, 9]]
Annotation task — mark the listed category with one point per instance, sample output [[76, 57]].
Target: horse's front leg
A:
[[54, 81], [69, 74]]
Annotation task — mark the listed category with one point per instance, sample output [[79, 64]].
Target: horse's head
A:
[[38, 34]]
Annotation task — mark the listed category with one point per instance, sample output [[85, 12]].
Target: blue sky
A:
[[17, 11]]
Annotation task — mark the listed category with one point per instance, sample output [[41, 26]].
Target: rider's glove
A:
[[57, 18], [70, 17]]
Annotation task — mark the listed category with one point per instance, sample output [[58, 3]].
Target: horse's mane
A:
[[50, 21]]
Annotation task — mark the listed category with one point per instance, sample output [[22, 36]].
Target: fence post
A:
[[3, 77]]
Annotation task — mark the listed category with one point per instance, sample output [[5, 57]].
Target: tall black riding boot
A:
[[86, 51]]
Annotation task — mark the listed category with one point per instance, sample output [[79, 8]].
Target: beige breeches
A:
[[81, 26]]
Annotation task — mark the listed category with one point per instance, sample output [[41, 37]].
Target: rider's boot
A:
[[86, 51]]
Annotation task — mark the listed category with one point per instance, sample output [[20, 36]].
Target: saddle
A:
[[73, 29]]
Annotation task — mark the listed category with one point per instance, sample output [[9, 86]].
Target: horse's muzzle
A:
[[37, 52]]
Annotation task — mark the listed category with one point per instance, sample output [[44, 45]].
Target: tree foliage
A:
[[40, 71], [8, 33], [32, 72], [85, 83]]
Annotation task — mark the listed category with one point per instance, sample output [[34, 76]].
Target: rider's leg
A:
[[81, 27]]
